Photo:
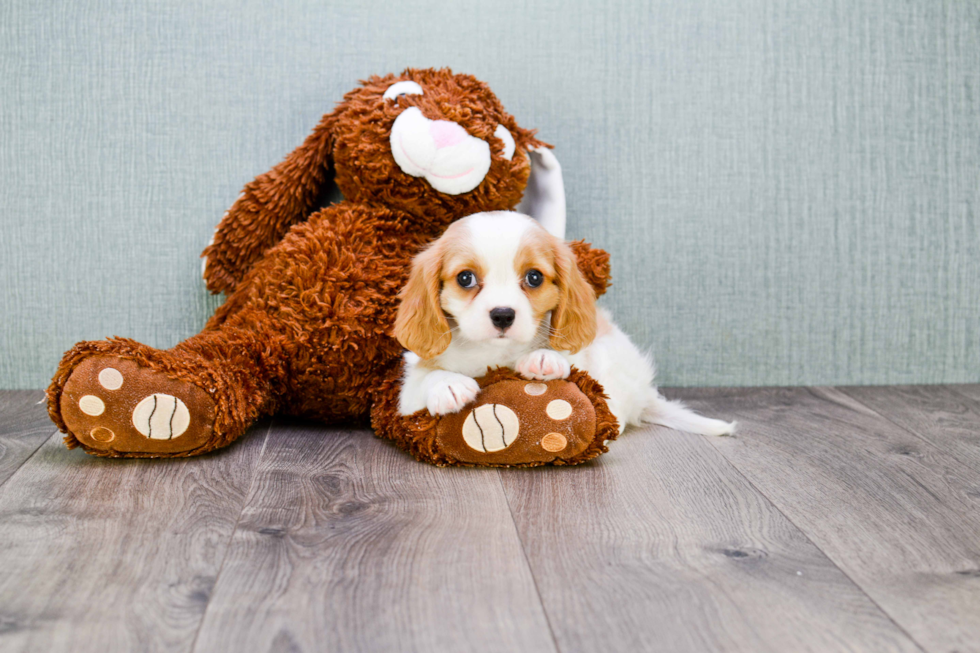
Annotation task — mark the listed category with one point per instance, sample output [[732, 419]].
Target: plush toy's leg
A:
[[513, 423], [121, 398]]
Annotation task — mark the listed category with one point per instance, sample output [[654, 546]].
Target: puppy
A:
[[498, 290]]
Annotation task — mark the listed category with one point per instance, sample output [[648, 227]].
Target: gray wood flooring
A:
[[838, 519]]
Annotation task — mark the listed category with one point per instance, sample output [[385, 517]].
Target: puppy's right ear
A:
[[573, 322], [421, 325]]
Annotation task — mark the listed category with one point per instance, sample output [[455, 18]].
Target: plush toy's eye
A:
[[533, 278], [509, 146], [466, 279], [402, 88]]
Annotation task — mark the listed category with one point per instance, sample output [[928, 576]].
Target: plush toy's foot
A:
[[115, 407], [520, 423], [513, 422]]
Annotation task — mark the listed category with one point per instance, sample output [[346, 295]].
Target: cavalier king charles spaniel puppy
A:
[[498, 290]]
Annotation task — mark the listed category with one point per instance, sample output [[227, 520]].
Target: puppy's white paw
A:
[[544, 365], [448, 392]]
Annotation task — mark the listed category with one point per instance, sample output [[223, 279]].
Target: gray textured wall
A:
[[789, 189]]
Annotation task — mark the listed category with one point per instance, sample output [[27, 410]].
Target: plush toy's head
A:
[[428, 142]]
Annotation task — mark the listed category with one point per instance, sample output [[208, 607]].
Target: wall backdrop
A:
[[789, 188]]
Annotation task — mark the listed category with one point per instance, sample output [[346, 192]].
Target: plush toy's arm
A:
[[593, 264], [544, 197], [266, 209]]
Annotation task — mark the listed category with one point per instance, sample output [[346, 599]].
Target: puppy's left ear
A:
[[544, 196], [573, 323], [420, 325]]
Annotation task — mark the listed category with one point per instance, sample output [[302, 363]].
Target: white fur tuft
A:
[[627, 375], [675, 415]]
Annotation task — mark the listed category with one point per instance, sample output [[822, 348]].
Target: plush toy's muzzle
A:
[[439, 151]]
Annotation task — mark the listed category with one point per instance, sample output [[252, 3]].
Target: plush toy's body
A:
[[306, 328]]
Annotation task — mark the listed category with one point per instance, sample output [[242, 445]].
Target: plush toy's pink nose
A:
[[446, 133]]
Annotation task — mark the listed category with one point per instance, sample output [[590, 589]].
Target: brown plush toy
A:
[[306, 327]]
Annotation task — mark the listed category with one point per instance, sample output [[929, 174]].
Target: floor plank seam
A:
[[908, 429], [818, 548], [26, 460], [231, 537], [527, 561], [959, 393]]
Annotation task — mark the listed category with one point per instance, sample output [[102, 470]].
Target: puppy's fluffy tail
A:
[[675, 415]]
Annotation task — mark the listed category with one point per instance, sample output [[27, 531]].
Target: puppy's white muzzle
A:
[[440, 151]]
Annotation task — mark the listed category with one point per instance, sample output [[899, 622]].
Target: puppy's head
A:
[[494, 277]]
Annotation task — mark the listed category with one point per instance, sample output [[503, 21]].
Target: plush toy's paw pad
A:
[[491, 427], [544, 365], [449, 392], [161, 417], [114, 406], [520, 423]]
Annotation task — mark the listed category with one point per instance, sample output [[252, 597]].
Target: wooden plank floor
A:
[[838, 519]]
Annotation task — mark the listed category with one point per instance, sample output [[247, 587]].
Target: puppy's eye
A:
[[533, 278], [466, 279], [402, 88]]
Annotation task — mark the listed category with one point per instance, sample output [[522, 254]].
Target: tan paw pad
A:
[[161, 417], [91, 405], [102, 434], [491, 427], [535, 389], [110, 378], [558, 409], [554, 442]]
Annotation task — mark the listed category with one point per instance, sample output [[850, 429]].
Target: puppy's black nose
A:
[[502, 317]]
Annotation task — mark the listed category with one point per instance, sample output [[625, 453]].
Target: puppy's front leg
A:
[[439, 391], [544, 365]]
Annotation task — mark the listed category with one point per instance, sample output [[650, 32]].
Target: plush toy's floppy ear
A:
[[421, 325], [268, 206], [544, 197], [573, 323]]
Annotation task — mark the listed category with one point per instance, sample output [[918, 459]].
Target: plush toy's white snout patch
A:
[[440, 151]]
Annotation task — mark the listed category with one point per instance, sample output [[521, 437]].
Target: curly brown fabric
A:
[[594, 265], [306, 327]]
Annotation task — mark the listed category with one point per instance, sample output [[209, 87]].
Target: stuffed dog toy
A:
[[311, 294]]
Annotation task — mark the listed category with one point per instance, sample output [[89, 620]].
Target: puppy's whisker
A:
[[555, 333]]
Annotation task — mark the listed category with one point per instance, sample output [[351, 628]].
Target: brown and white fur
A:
[[454, 332]]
